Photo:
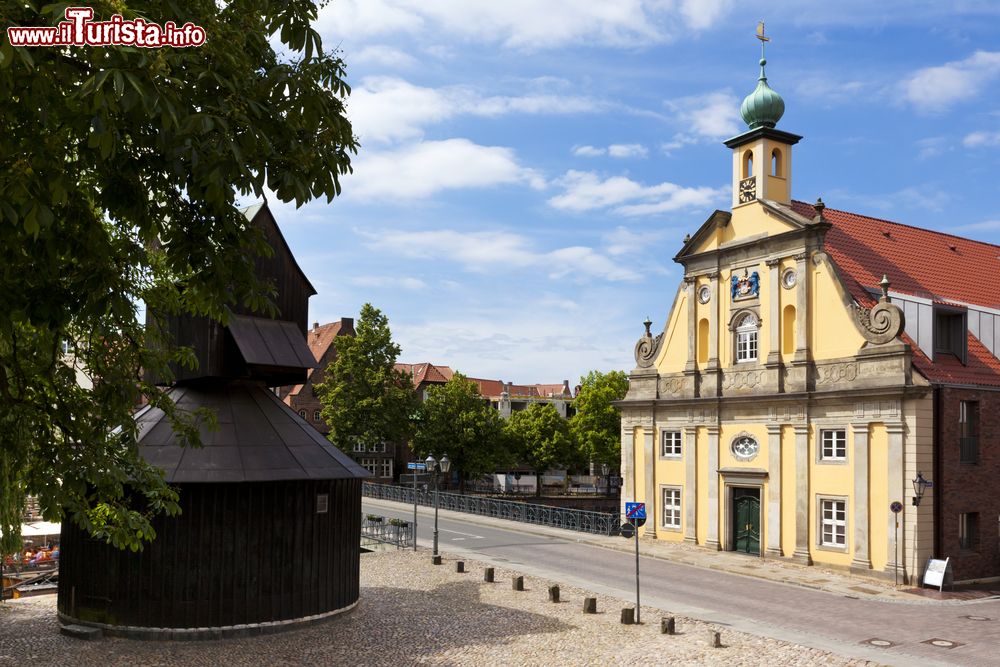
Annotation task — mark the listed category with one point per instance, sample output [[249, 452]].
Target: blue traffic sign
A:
[[635, 510], [416, 466]]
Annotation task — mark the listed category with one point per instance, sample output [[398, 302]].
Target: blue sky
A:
[[529, 168]]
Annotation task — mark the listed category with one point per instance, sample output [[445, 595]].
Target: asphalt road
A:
[[804, 616]]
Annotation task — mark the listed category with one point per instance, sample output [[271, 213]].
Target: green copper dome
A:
[[763, 107]]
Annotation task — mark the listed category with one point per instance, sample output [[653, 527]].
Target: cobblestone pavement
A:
[[414, 613]]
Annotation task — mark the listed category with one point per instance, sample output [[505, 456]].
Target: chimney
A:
[[565, 389], [315, 326], [347, 326]]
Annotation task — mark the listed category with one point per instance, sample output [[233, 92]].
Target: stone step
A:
[[81, 631]]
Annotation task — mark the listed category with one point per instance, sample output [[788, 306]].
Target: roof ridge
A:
[[901, 224]]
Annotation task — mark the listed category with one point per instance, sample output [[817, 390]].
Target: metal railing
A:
[[969, 449], [599, 523], [387, 531]]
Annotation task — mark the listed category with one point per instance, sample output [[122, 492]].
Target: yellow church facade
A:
[[778, 413]]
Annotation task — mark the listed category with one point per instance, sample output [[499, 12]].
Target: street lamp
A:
[[920, 485], [605, 469], [434, 467]]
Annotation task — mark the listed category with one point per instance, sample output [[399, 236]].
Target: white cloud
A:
[[623, 241], [978, 139], [936, 88], [524, 24], [985, 226], [614, 150], [493, 251], [932, 147], [702, 14], [589, 151], [627, 150], [584, 191], [391, 282], [713, 115], [423, 169], [385, 56], [387, 109]]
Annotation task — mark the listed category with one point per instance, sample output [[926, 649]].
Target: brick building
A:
[[302, 397]]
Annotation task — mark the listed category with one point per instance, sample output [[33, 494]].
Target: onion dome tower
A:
[[269, 531], [762, 156]]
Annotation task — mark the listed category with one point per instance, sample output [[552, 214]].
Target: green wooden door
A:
[[746, 521]]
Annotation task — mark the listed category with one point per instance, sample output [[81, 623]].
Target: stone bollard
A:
[[488, 575], [553, 594], [436, 560], [628, 616], [460, 566], [667, 626], [589, 605], [713, 639], [517, 583]]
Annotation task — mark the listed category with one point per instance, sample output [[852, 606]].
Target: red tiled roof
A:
[[917, 261], [319, 339], [426, 373], [947, 269]]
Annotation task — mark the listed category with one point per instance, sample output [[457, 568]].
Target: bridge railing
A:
[[599, 523], [387, 531]]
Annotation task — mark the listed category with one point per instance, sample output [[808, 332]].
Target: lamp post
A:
[[920, 485], [605, 470], [434, 467]]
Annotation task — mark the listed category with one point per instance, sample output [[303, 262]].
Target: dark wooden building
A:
[[269, 534]]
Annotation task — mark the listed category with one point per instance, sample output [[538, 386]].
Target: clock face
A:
[[745, 448], [748, 189], [789, 278], [704, 294]]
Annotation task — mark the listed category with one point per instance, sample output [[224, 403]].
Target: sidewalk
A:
[[815, 577]]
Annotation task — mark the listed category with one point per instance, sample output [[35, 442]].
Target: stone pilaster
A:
[[801, 554], [690, 484], [773, 490], [712, 539], [897, 491], [860, 529], [628, 462], [774, 313], [801, 308], [652, 511], [692, 319]]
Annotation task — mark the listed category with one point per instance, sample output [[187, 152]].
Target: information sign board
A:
[[937, 572], [635, 510]]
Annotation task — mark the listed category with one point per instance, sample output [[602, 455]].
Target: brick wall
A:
[[969, 487]]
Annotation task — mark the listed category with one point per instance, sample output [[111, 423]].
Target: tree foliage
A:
[[597, 423], [456, 420], [120, 169], [366, 400], [541, 439]]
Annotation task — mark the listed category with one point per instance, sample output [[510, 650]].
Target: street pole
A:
[[414, 509], [435, 512], [896, 549], [637, 575]]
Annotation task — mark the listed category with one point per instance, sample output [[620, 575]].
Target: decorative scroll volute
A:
[[647, 347], [884, 322]]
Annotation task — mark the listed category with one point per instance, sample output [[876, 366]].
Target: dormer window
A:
[[746, 338], [950, 332]]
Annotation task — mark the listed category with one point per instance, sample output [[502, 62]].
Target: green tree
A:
[[120, 170], [597, 423], [366, 399], [541, 439], [456, 420]]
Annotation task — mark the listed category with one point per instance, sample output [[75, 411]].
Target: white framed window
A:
[[377, 467], [670, 512], [833, 444], [670, 444], [833, 523], [358, 445], [304, 414], [316, 415], [746, 339]]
